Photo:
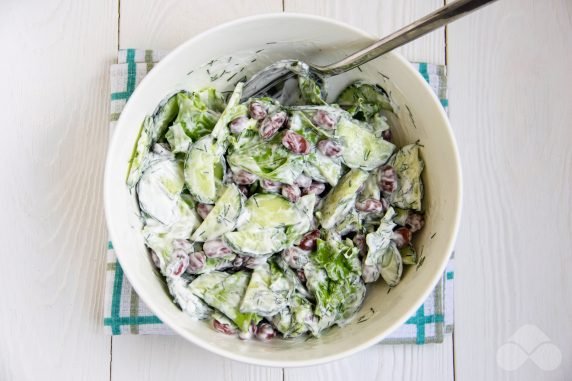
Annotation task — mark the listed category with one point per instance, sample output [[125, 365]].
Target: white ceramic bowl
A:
[[317, 40]]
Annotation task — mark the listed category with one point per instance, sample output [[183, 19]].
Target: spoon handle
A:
[[424, 25]]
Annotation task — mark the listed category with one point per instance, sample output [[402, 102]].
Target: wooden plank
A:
[[55, 97], [510, 92], [164, 25], [158, 24], [381, 362], [173, 358], [399, 362], [381, 18]]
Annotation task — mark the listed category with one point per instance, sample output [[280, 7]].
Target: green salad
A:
[[270, 220]]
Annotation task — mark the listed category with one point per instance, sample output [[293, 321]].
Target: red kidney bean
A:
[[155, 259], [415, 221], [271, 186], [309, 240], [257, 111], [242, 177], [178, 263], [291, 192], [295, 143], [295, 257], [329, 148], [315, 188], [216, 248], [252, 329], [324, 119], [265, 332], [387, 135], [271, 124], [238, 125], [387, 179], [196, 262], [303, 181], [204, 209], [182, 244], [370, 205], [225, 328], [359, 241], [401, 237]]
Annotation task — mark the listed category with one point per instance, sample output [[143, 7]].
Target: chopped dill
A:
[[383, 75], [231, 77]]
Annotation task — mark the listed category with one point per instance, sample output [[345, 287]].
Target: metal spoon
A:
[[271, 80]]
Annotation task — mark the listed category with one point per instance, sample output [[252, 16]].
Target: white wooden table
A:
[[510, 106]]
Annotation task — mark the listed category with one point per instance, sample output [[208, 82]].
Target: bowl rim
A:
[[422, 296]]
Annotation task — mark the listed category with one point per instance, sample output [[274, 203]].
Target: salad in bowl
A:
[[314, 222], [268, 219]]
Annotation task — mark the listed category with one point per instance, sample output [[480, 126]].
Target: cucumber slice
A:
[[212, 99], [204, 170], [268, 292], [163, 116], [371, 188], [191, 304], [363, 100], [223, 216], [391, 265], [233, 110], [269, 210], [226, 296], [408, 166], [297, 319], [206, 281], [159, 189], [299, 123], [178, 139], [300, 226], [159, 237], [268, 160], [141, 149], [323, 168], [351, 222], [216, 264], [196, 117], [362, 149], [383, 257], [341, 198], [400, 217], [257, 242], [409, 255], [278, 264]]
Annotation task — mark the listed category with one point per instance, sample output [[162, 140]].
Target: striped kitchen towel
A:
[[125, 313]]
